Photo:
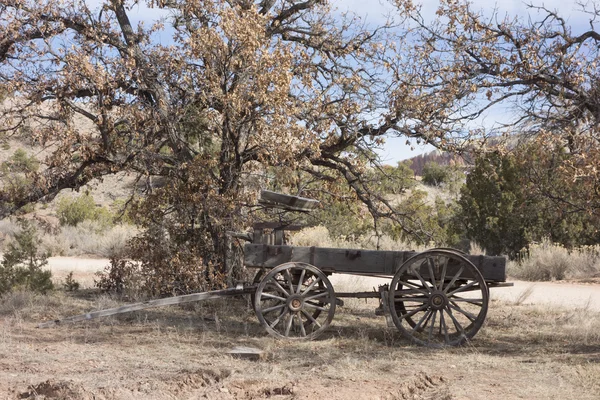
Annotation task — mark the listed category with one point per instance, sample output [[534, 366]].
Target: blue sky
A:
[[375, 11], [396, 149]]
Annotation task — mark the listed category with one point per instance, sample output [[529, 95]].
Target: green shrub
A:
[[22, 263], [435, 174], [21, 162], [512, 200], [72, 211], [394, 180], [70, 284], [122, 212]]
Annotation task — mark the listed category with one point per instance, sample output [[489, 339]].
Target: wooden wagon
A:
[[436, 298]]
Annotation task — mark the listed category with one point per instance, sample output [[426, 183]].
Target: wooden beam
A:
[[187, 298], [287, 202]]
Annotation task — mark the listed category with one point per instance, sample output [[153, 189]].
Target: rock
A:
[[248, 353]]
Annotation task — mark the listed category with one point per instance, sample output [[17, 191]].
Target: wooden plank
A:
[[285, 201], [367, 262], [278, 225], [247, 353], [491, 267], [188, 298]]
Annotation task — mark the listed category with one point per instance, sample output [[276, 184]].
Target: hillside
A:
[[438, 157]]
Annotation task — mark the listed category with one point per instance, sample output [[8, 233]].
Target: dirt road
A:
[[556, 293]]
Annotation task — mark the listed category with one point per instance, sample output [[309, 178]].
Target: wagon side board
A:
[[352, 261]]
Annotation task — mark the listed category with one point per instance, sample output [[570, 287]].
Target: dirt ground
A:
[[524, 351]]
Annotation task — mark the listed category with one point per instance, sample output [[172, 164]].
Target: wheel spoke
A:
[[302, 330], [413, 286], [290, 280], [460, 271], [413, 312], [443, 275], [289, 325], [316, 296], [478, 302], [430, 266], [457, 324], [281, 289], [416, 271], [467, 314], [313, 320], [312, 285], [272, 296], [277, 307], [300, 281], [463, 288], [427, 320], [431, 326], [444, 326], [424, 318], [312, 305], [274, 323]]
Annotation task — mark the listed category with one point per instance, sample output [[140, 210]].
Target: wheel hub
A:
[[295, 303], [438, 300]]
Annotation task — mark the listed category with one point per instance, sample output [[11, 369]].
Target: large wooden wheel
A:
[[438, 298], [295, 301]]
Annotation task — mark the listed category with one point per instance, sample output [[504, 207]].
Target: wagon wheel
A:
[[295, 301], [261, 273], [400, 309], [438, 298]]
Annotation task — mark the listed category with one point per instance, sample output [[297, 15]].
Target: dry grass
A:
[[549, 261], [89, 238], [319, 236], [181, 352]]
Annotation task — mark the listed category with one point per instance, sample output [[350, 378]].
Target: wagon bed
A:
[[360, 262]]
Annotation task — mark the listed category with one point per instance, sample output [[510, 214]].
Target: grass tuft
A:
[[548, 261]]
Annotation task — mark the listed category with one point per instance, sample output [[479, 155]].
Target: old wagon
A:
[[436, 298]]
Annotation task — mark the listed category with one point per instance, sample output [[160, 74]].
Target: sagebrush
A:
[[552, 261]]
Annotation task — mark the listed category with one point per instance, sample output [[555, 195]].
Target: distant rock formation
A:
[[439, 157]]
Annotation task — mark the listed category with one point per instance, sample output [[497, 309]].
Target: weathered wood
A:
[[356, 295], [287, 202], [278, 225], [368, 262], [188, 298], [247, 353], [326, 259]]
